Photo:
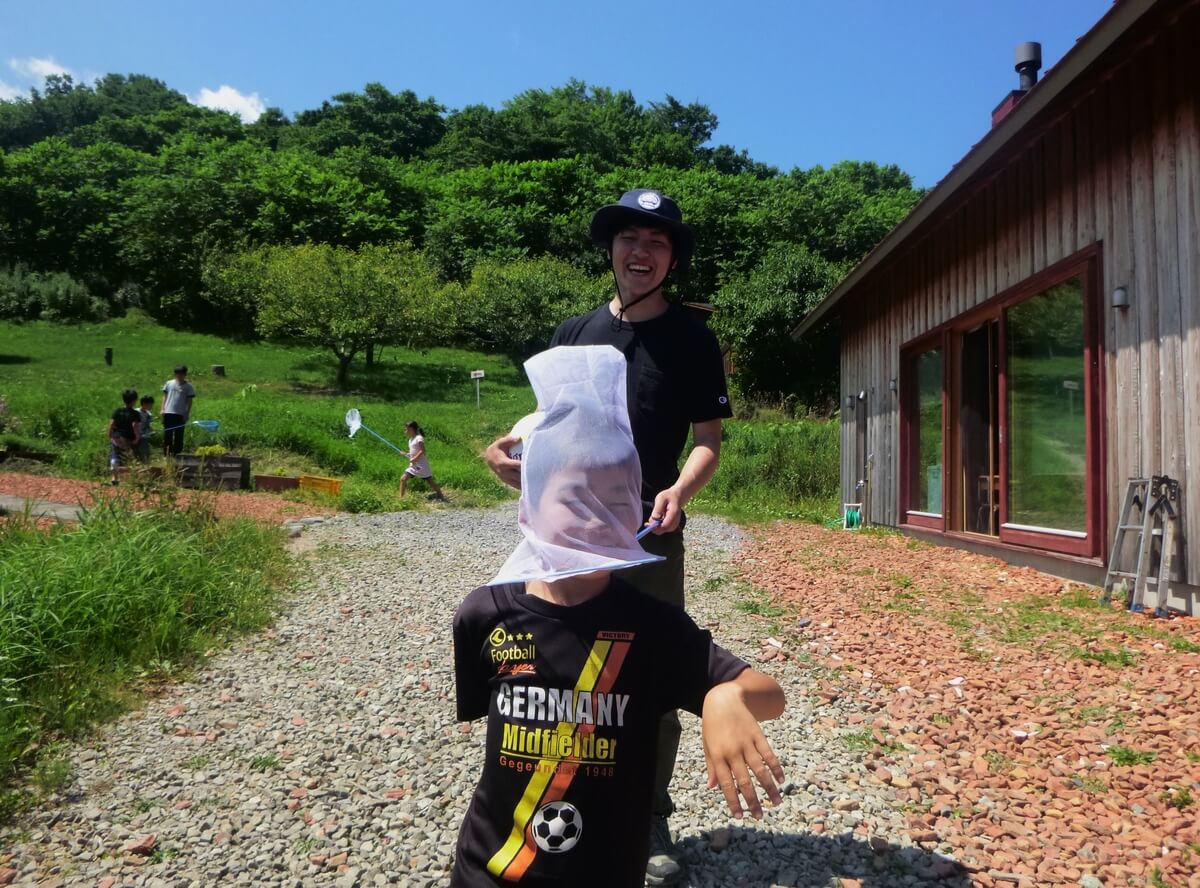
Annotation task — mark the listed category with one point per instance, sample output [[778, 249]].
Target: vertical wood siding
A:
[[1120, 165]]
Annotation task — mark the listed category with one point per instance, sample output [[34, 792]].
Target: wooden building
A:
[[1028, 338]]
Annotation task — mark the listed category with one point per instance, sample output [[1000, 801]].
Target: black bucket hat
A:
[[645, 206]]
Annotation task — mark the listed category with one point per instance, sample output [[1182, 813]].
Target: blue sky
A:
[[799, 83]]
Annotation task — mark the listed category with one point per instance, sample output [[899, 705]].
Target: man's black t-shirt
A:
[[676, 378], [124, 419], [573, 697]]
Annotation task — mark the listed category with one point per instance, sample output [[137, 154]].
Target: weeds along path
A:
[[325, 751]]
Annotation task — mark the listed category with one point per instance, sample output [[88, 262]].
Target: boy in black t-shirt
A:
[[574, 668], [124, 432]]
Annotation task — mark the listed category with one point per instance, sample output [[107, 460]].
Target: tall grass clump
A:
[[785, 469], [86, 609]]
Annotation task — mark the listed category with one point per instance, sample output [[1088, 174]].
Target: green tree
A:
[[383, 122], [756, 313], [514, 307], [341, 299]]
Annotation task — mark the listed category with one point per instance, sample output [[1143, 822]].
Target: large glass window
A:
[[1001, 416], [927, 495], [1047, 432]]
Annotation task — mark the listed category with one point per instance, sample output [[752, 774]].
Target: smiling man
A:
[[676, 385]]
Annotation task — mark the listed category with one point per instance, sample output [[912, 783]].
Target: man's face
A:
[[641, 258]]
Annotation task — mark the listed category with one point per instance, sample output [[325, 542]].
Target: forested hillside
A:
[[123, 193]]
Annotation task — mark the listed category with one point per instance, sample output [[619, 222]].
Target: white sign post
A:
[[477, 375]]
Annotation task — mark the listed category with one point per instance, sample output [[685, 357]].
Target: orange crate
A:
[[332, 486]]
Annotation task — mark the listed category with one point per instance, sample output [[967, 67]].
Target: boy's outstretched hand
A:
[[734, 745]]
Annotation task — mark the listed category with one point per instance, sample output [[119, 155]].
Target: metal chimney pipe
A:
[[1028, 62]]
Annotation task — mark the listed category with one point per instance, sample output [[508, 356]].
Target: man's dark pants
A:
[[173, 424], [662, 580]]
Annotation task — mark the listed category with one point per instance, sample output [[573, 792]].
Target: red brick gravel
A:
[[261, 507], [1002, 698]]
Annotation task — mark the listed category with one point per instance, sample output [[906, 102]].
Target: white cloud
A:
[[247, 107], [8, 92], [37, 69]]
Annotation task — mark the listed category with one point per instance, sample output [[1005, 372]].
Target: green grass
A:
[[278, 405], [1124, 755], [88, 611]]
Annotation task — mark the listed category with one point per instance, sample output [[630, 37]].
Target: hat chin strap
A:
[[625, 306]]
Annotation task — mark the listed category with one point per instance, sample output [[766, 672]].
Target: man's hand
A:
[[502, 465], [668, 506], [735, 748]]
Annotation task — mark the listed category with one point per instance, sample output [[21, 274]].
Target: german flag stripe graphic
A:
[[548, 783]]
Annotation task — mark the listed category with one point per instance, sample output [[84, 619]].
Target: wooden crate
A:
[[226, 472], [275, 483]]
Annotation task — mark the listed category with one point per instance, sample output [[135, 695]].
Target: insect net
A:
[[581, 480]]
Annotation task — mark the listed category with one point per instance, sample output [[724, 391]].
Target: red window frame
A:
[[1087, 264]]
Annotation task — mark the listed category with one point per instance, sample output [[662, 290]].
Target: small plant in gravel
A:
[[1177, 797], [1157, 880], [1093, 713], [1192, 756], [196, 762], [1089, 783], [904, 581], [162, 855], [998, 762], [1125, 755], [1184, 646], [758, 603], [143, 806], [12, 803], [940, 718], [1119, 723], [268, 762], [51, 773], [860, 741], [1118, 659], [304, 845]]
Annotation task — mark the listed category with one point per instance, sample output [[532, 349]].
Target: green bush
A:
[[49, 296], [360, 496], [84, 609], [776, 470]]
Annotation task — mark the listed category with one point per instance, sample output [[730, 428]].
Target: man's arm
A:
[[700, 466], [734, 745]]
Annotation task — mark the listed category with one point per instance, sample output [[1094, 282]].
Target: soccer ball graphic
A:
[[557, 827]]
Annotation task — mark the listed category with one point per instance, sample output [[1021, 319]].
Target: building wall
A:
[[1116, 161]]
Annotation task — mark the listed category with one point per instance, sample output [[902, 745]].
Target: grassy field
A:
[[277, 405]]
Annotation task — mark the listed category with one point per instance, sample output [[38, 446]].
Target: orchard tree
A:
[[342, 299], [756, 313], [514, 307]]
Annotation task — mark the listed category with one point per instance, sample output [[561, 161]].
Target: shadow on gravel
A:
[[787, 860]]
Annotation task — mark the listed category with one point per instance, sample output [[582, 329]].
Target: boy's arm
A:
[[734, 745]]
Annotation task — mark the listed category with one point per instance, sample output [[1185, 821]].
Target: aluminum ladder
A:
[[1156, 501]]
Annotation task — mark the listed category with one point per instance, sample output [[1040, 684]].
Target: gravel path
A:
[[325, 751]]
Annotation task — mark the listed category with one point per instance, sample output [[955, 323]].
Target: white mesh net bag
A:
[[581, 481]]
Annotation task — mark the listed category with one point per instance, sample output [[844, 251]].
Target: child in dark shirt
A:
[[574, 667], [124, 433]]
